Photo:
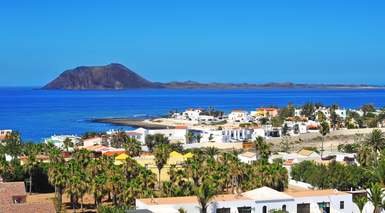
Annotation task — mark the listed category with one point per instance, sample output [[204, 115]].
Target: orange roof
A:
[[180, 127], [312, 193], [169, 200], [115, 152], [288, 162], [38, 157], [191, 199], [267, 109], [94, 147]]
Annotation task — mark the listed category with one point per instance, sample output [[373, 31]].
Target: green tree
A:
[[31, 163], [324, 130], [367, 108], [308, 110], [376, 140], [57, 176], [161, 153], [133, 147], [205, 191], [360, 201], [376, 196], [13, 144], [212, 151], [67, 143], [262, 148]]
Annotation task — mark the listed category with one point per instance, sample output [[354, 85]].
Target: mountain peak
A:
[[111, 76]]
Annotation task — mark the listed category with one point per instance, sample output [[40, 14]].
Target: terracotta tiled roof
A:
[[114, 152], [28, 208], [10, 189]]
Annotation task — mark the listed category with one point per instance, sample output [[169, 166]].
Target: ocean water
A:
[[37, 114]]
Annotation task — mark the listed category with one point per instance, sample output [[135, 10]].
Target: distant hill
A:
[[117, 76], [112, 76]]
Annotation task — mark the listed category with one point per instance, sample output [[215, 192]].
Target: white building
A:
[[341, 113], [57, 140], [261, 200], [247, 157], [297, 112], [174, 135], [239, 116], [4, 133], [93, 141], [237, 134], [295, 128], [192, 114], [258, 132]]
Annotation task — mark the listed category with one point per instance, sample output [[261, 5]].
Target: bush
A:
[[112, 209]]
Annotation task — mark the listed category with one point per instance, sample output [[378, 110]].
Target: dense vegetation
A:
[[207, 173], [369, 174]]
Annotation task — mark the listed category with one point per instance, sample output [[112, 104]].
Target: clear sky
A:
[[324, 41]]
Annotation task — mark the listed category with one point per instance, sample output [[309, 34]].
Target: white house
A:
[[237, 134], [295, 128], [4, 133], [341, 113], [192, 114], [258, 132], [239, 116], [93, 141], [260, 200], [247, 157], [57, 140], [297, 112], [174, 135]]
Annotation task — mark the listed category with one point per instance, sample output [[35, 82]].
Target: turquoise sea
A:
[[40, 113]]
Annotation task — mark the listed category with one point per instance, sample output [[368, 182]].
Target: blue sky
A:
[[318, 41]]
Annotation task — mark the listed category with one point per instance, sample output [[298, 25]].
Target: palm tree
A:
[[366, 156], [133, 147], [119, 139], [360, 201], [376, 196], [98, 181], [12, 145], [67, 143], [376, 140], [31, 163], [161, 153], [73, 182], [205, 192], [57, 176], [379, 172], [193, 169], [262, 148], [198, 138], [189, 137], [212, 151], [115, 182], [324, 130]]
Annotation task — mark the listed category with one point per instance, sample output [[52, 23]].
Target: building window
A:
[[342, 204], [284, 208], [244, 209], [264, 209], [223, 210]]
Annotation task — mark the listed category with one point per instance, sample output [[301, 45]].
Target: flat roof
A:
[[313, 193], [260, 194]]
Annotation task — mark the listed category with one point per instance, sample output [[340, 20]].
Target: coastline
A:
[[132, 122]]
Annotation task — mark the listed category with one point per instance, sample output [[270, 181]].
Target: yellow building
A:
[[148, 161]]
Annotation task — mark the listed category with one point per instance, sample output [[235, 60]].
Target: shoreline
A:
[[132, 122]]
